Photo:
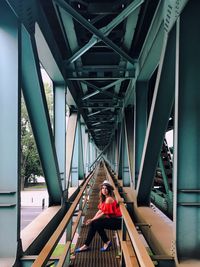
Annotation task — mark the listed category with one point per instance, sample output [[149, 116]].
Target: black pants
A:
[[100, 225]]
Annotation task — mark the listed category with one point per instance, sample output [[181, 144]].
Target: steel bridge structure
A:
[[128, 71]]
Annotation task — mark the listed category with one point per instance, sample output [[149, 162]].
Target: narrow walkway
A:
[[95, 257]]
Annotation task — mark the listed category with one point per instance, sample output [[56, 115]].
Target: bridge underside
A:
[[128, 71]]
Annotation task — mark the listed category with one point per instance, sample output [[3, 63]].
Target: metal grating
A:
[[95, 257]]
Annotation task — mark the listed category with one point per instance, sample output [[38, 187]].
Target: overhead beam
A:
[[107, 29], [105, 78], [163, 21], [99, 90], [151, 50], [105, 88], [93, 30]]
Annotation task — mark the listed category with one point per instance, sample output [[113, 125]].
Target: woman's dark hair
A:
[[102, 197]]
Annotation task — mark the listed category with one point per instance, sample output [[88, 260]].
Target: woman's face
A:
[[104, 190]]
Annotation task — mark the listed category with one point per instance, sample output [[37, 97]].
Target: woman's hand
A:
[[88, 222]]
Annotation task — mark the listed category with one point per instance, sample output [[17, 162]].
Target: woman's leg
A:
[[91, 233], [99, 226], [106, 223]]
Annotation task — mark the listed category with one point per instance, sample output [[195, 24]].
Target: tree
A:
[[30, 162]]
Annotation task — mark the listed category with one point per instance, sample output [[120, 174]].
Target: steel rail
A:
[[48, 249], [142, 255]]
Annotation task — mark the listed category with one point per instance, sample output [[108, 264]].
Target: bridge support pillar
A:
[[60, 129], [187, 136], [10, 101], [140, 123]]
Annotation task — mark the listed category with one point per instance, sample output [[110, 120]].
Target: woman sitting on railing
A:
[[107, 217]]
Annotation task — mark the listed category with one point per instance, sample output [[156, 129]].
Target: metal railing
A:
[[128, 227], [66, 223]]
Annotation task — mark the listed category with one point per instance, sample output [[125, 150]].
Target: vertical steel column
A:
[[140, 124], [129, 136], [162, 102], [81, 172], [120, 157], [87, 152], [75, 161], [77, 171], [60, 129], [187, 136], [124, 162], [70, 142], [85, 146], [10, 95], [91, 155], [117, 149], [113, 144]]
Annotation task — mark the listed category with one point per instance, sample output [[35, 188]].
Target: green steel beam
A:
[[123, 171], [99, 90], [38, 113], [187, 142], [103, 88], [71, 77], [60, 129], [81, 173], [68, 29], [47, 52], [116, 150], [151, 51], [93, 30], [160, 112], [87, 153], [10, 101], [70, 141], [84, 140], [165, 17], [106, 30], [74, 170], [125, 164], [120, 153], [77, 168], [101, 68], [129, 136], [140, 123]]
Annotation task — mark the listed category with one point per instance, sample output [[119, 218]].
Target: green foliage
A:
[[30, 162]]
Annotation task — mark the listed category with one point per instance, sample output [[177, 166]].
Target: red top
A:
[[110, 209]]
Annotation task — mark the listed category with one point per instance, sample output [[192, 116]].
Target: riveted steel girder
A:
[[91, 28], [107, 29], [187, 142], [140, 123], [70, 142], [158, 121], [38, 113], [60, 129], [129, 137], [10, 101]]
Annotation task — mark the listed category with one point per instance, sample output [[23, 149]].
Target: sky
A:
[[169, 137]]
